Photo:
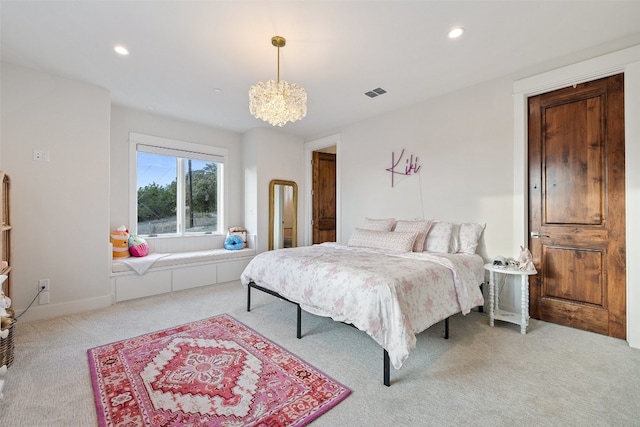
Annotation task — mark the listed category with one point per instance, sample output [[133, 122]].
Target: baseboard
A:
[[50, 311]]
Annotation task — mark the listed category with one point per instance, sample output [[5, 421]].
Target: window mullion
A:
[[181, 195]]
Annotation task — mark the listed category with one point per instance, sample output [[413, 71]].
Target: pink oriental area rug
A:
[[213, 372]]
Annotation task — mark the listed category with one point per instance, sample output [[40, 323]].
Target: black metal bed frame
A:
[[386, 368]]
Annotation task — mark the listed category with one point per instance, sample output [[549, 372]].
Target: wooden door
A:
[[324, 197], [577, 206]]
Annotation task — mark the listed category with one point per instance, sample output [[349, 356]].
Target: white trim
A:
[[309, 148], [176, 144], [133, 182], [172, 152], [625, 61], [177, 148], [595, 68], [50, 311]]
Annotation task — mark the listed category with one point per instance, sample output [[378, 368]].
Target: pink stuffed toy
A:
[[138, 246]]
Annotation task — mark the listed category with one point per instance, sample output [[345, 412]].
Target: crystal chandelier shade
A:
[[277, 102]]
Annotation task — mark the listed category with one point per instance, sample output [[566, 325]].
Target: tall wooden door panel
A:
[[577, 208], [324, 197]]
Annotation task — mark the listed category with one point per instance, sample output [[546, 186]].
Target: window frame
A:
[[177, 148]]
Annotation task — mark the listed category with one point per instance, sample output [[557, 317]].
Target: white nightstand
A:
[[494, 297]]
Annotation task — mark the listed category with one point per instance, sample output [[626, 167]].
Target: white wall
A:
[[464, 140], [464, 143], [125, 120], [473, 167], [60, 208], [63, 210], [268, 155]]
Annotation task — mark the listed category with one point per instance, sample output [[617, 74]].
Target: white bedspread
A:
[[391, 297]]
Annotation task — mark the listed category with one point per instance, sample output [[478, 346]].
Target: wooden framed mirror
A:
[[283, 214]]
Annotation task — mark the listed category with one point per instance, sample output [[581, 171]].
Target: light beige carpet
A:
[[553, 376]]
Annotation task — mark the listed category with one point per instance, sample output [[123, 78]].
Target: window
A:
[[177, 187]]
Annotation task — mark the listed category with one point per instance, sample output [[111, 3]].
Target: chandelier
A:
[[277, 102]]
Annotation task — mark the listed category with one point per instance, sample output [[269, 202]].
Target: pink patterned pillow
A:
[[440, 237], [420, 226], [468, 237], [386, 240], [379, 224]]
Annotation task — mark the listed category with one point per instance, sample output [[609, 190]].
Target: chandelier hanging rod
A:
[[278, 42]]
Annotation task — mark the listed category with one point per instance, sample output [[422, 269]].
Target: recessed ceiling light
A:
[[456, 32], [121, 50]]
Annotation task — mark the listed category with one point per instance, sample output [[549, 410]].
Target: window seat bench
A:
[[179, 270]]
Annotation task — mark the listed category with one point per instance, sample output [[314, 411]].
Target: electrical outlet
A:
[[43, 283], [43, 289]]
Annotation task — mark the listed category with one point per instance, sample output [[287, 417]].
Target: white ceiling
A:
[[180, 51]]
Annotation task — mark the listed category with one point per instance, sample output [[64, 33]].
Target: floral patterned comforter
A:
[[392, 297]]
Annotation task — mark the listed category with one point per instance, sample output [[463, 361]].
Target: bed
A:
[[390, 290]]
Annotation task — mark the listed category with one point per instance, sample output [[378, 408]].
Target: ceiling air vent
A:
[[375, 92]]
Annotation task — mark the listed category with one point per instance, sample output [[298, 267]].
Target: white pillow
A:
[[385, 224], [455, 243], [420, 226], [468, 237], [440, 237], [387, 240]]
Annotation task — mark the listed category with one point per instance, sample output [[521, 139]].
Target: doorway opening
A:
[[322, 190], [323, 196], [576, 160]]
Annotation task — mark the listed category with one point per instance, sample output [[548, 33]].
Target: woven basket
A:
[[6, 346]]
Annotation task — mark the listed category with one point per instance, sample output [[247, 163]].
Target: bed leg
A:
[[249, 297], [446, 328], [387, 369], [299, 322]]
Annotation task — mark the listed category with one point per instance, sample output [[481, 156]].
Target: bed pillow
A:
[[468, 237], [386, 240], [440, 237], [455, 241], [385, 224], [419, 226]]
